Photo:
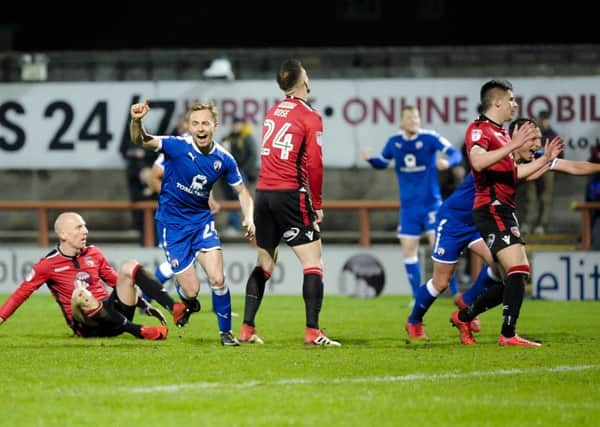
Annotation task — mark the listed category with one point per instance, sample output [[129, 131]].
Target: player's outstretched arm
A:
[[375, 162], [573, 167]]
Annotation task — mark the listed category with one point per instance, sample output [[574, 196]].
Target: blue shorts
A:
[[181, 243], [413, 221], [452, 237]]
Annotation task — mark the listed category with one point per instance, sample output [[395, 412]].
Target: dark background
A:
[[218, 24]]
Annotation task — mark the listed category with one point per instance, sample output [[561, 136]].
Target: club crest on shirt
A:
[[476, 135], [419, 145], [217, 165], [89, 261]]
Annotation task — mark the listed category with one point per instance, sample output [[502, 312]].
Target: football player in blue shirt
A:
[[414, 151], [454, 232], [185, 223]]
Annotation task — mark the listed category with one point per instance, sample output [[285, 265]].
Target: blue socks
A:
[[453, 286], [426, 295], [413, 272], [485, 279], [221, 301]]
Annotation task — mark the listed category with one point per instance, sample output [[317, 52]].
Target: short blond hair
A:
[[199, 106]]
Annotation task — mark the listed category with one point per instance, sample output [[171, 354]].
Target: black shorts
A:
[[498, 225], [284, 215], [98, 327]]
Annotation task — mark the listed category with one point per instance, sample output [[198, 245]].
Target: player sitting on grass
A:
[[76, 274]]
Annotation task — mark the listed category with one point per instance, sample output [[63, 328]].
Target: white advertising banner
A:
[[566, 275], [82, 125], [349, 270]]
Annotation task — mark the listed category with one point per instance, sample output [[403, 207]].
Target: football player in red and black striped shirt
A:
[[490, 152], [288, 200], [76, 274]]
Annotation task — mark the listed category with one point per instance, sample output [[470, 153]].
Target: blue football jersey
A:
[[188, 178], [415, 163], [460, 202]]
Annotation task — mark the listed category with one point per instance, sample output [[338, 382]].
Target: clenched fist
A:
[[139, 110]]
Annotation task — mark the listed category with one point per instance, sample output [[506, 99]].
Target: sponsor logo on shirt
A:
[[196, 187], [82, 280]]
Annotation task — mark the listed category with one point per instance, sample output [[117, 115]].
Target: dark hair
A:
[[543, 115], [490, 90], [288, 75], [520, 122]]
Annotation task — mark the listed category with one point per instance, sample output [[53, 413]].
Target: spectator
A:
[[241, 144]]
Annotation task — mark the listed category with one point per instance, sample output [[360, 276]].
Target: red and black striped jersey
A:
[[291, 155], [59, 272], [496, 183]]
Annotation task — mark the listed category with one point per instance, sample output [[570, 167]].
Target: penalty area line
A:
[[173, 388]]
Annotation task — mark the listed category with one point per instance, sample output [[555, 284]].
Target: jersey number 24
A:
[[282, 140]]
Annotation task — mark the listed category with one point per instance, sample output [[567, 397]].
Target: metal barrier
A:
[[148, 207]]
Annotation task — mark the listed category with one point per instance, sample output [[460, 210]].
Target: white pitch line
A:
[[351, 380]]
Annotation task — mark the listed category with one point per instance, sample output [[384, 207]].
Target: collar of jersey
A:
[[402, 133], [197, 150], [485, 118], [69, 256]]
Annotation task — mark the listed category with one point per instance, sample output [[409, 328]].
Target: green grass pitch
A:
[[50, 378]]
